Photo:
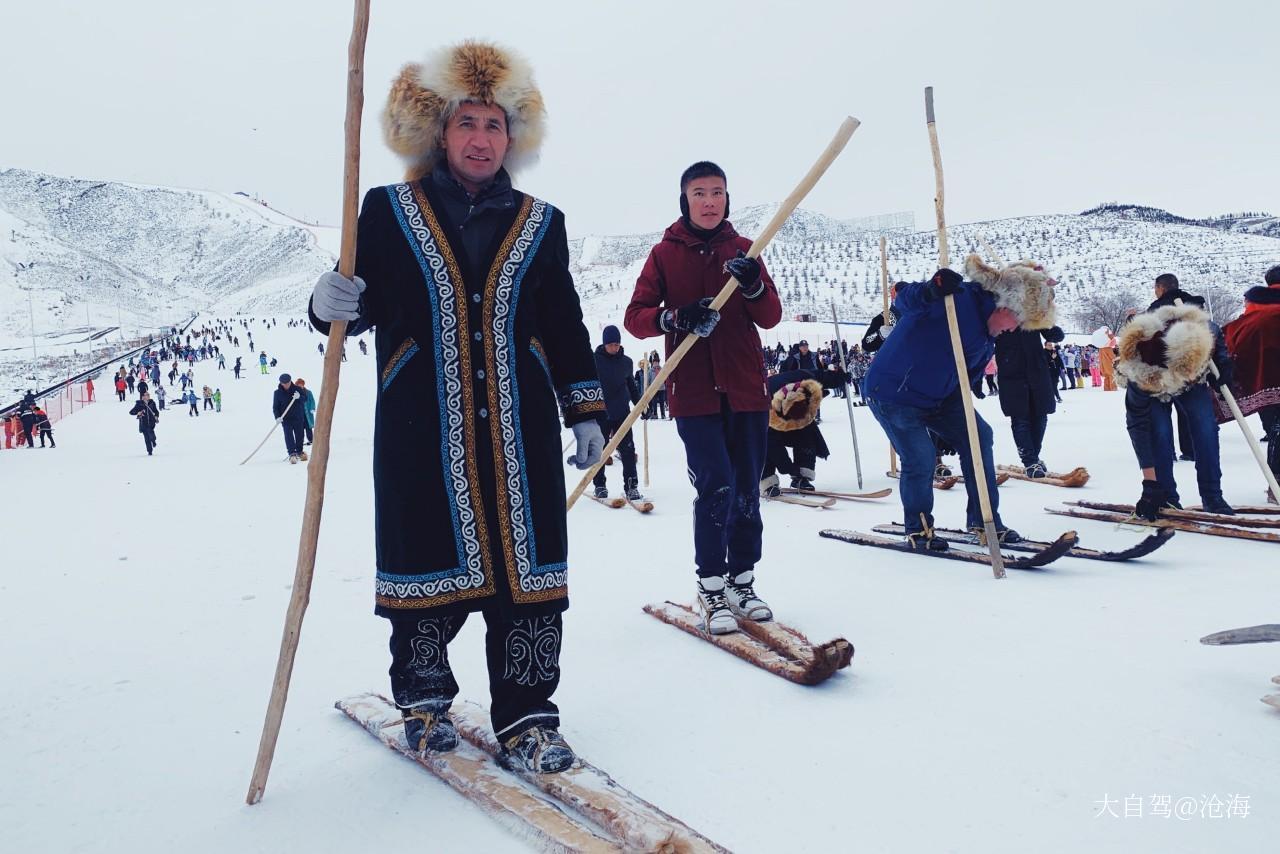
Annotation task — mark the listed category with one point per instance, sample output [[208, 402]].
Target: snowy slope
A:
[[141, 601]]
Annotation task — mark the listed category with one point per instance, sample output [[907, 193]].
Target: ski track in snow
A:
[[141, 604]]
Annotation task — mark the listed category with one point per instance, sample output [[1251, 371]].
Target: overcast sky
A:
[[1172, 104]]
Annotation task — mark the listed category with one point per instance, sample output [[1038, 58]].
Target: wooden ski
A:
[[1268, 633], [1176, 524], [968, 538], [845, 496], [781, 650], [824, 504], [1242, 521], [612, 503], [1043, 557], [642, 506], [1073, 479], [938, 482]]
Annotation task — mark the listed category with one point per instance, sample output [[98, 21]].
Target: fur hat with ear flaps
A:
[[424, 94], [795, 405], [1023, 287], [1165, 351]]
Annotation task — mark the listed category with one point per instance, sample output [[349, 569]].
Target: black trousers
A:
[[149, 439], [1028, 435], [628, 449], [292, 438], [778, 459], [45, 431], [523, 657], [1270, 416]]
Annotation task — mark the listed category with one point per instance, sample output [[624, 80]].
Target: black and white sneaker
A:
[[1036, 470], [429, 730], [743, 601], [772, 491], [631, 489], [602, 492], [539, 749], [942, 470], [802, 483], [714, 605], [1005, 535]]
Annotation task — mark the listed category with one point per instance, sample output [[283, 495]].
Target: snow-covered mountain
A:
[[1110, 249]]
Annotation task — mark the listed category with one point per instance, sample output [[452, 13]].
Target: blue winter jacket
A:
[[915, 366]]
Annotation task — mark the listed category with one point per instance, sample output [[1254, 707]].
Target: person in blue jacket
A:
[[912, 388]]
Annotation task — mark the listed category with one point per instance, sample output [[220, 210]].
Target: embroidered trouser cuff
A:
[[523, 657]]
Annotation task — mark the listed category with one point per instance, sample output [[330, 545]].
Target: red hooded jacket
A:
[[1254, 341], [682, 269]]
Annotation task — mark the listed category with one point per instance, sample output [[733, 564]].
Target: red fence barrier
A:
[[58, 405]]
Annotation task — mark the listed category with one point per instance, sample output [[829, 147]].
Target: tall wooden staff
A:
[[324, 416], [847, 127], [957, 350], [644, 386], [844, 364], [884, 293]]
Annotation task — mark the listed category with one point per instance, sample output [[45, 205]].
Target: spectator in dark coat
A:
[[148, 415], [614, 368], [1027, 390], [289, 408]]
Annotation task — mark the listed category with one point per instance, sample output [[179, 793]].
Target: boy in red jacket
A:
[[717, 394]]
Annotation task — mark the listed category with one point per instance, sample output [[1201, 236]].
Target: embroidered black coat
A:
[[478, 359]]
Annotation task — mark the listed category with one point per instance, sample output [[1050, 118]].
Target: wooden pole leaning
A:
[[837, 144], [884, 292], [957, 350], [844, 364], [644, 386], [318, 465]]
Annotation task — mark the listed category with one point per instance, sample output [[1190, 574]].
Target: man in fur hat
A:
[[717, 393], [481, 349], [912, 389], [1165, 355], [1253, 339]]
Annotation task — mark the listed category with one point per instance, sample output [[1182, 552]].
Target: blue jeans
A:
[[908, 429], [1150, 425], [725, 454]]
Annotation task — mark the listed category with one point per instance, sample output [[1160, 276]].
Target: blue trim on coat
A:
[[400, 363]]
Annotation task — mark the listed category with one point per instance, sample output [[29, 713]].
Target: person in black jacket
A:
[[795, 397], [147, 414], [287, 406], [27, 413], [618, 380], [1026, 390], [803, 359]]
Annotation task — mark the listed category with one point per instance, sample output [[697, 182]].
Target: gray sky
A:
[[1171, 104]]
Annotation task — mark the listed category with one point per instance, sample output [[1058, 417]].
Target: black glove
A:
[[1225, 377], [696, 318], [747, 272], [1153, 500], [1054, 335], [944, 283]]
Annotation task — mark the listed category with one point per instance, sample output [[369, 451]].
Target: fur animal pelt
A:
[[425, 94], [1165, 351], [795, 405], [1023, 287]]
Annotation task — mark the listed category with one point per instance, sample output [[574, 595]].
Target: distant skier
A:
[[160, 395], [147, 414], [262, 362], [236, 369], [288, 408], [309, 408], [364, 348], [217, 400], [614, 368], [193, 402], [44, 426], [207, 393], [120, 388]]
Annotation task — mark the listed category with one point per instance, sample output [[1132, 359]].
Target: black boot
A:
[[540, 749], [925, 541], [1217, 504], [428, 730], [802, 483]]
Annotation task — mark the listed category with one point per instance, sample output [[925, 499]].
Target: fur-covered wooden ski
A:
[[611, 503], [1001, 478], [1073, 479], [1176, 524], [1240, 521], [1043, 557], [1148, 544], [820, 504], [843, 496], [938, 482], [582, 809], [642, 506], [775, 647]]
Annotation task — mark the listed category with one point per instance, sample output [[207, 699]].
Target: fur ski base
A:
[[794, 498], [1040, 558], [1188, 515], [1269, 633], [1176, 524], [1073, 479], [612, 503], [938, 482], [844, 496], [772, 646], [951, 535], [1002, 478], [581, 809], [645, 506]]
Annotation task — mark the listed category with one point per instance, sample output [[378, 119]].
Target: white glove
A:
[[335, 297], [590, 444]]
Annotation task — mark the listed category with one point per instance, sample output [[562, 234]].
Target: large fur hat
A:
[[424, 95], [1023, 287], [1164, 351], [795, 405]]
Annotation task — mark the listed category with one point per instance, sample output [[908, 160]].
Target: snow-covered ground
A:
[[141, 602]]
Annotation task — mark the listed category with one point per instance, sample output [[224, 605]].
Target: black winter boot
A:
[[429, 730], [540, 749]]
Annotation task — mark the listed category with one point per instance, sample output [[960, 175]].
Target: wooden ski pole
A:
[[884, 293], [957, 350], [269, 432], [644, 386], [324, 415], [844, 364], [847, 127]]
